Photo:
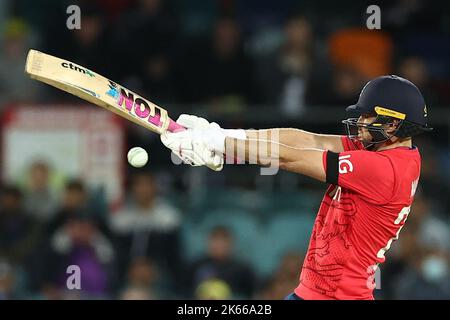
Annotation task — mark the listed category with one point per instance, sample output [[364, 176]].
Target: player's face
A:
[[363, 133]]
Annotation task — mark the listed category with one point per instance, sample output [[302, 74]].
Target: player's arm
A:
[[266, 152], [297, 138], [291, 149]]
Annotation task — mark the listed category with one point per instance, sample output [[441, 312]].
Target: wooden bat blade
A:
[[90, 86]]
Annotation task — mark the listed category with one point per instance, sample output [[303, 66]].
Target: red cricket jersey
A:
[[357, 221]]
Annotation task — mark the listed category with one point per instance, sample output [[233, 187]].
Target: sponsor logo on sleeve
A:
[[345, 165]]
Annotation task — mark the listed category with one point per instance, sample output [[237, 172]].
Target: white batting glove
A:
[[193, 152], [203, 143], [181, 144], [209, 134], [190, 121]]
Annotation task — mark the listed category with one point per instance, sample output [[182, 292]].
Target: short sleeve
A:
[[367, 173]]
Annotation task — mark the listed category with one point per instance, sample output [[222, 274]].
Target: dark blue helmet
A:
[[391, 97]]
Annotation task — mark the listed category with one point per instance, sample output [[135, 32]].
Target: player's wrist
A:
[[214, 137], [218, 140], [235, 133]]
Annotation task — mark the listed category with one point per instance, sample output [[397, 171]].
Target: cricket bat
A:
[[95, 88]]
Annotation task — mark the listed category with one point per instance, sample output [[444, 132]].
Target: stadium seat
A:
[[293, 201], [193, 240], [284, 232]]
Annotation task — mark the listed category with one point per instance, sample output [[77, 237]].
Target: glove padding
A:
[[191, 146], [190, 121], [209, 134]]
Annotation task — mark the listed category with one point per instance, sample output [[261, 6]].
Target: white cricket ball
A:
[[137, 157]]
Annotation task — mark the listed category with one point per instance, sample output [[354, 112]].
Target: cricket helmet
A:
[[388, 98]]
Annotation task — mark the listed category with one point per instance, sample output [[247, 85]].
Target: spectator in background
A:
[[433, 182], [7, 281], [142, 281], [340, 89], [19, 232], [288, 268], [424, 230], [87, 46], [279, 285], [355, 55], [427, 277], [401, 255], [40, 200], [415, 69], [274, 289], [285, 73], [79, 242], [14, 86], [347, 83], [432, 231], [156, 77], [136, 293], [219, 264], [147, 226], [213, 289], [366, 51], [225, 69], [151, 29], [75, 199]]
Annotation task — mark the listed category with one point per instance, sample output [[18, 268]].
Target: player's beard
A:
[[368, 144], [366, 138]]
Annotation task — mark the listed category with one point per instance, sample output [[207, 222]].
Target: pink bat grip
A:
[[175, 127]]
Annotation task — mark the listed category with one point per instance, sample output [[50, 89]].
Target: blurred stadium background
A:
[[170, 231]]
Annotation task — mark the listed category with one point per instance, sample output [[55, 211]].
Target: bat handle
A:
[[175, 127]]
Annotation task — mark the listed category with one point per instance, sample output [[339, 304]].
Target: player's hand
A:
[[193, 152], [210, 135]]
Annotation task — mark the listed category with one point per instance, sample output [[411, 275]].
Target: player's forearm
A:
[[299, 138], [287, 136], [263, 147], [269, 153], [256, 149], [266, 146]]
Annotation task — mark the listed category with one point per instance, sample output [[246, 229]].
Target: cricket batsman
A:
[[372, 175]]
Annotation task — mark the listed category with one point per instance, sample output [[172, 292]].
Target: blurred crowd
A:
[[141, 250], [230, 55], [136, 252], [219, 57]]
